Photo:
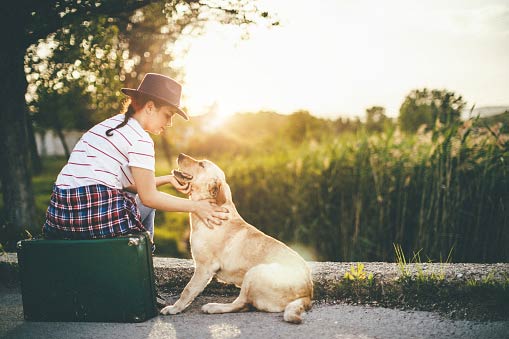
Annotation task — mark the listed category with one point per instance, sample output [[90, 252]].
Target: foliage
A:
[[489, 280], [425, 107], [401, 260], [357, 273], [94, 57], [351, 195], [71, 89], [356, 284], [303, 126], [498, 124], [34, 22], [251, 134], [376, 120], [421, 275]]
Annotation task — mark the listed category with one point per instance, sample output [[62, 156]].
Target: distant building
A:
[[484, 112], [49, 144]]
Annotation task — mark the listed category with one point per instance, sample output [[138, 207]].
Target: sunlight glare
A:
[[216, 116], [339, 58], [224, 331]]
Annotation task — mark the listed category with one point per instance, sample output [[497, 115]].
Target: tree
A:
[[27, 22], [343, 124], [376, 119], [99, 55], [73, 76], [303, 126], [424, 107]]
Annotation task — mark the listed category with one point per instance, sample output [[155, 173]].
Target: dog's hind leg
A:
[[238, 305], [294, 309]]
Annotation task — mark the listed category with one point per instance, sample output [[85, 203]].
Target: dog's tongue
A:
[[179, 175], [187, 175]]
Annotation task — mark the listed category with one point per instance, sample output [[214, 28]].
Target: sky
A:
[[339, 57]]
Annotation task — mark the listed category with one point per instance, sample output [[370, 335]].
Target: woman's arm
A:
[[162, 180], [145, 183]]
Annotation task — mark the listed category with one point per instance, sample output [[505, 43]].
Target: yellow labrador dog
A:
[[271, 276]]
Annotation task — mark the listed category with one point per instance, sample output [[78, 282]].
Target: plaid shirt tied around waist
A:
[[90, 212]]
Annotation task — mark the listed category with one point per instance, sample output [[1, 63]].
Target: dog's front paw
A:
[[170, 310]]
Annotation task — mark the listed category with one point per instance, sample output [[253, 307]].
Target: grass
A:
[[43, 185], [490, 280], [421, 275], [486, 298], [352, 197]]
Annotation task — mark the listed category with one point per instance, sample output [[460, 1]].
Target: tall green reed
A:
[[353, 196]]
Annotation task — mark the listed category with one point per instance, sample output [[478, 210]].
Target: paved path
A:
[[323, 321]]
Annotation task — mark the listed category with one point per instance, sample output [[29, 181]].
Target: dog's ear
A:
[[220, 197], [220, 191], [224, 195], [214, 188]]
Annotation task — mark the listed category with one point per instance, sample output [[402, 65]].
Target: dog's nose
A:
[[181, 157]]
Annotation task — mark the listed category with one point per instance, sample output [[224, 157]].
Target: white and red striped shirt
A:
[[99, 159]]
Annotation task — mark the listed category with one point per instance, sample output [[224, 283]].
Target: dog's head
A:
[[207, 180]]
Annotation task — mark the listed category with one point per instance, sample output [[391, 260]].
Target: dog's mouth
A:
[[182, 177]]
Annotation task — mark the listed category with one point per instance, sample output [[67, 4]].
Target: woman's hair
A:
[[131, 105]]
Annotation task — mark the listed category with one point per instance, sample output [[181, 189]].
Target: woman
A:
[[94, 195]]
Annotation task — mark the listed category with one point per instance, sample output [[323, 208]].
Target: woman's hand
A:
[[182, 188], [207, 210], [210, 213]]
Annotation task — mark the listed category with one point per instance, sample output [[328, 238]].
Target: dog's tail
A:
[[294, 309]]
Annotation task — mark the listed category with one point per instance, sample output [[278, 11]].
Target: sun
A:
[[216, 115]]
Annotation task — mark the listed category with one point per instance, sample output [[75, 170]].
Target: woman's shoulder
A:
[[142, 135], [116, 118]]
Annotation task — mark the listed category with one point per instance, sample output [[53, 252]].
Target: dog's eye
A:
[[201, 164]]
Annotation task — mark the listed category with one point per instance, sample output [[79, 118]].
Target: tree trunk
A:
[[18, 210], [36, 163], [61, 136]]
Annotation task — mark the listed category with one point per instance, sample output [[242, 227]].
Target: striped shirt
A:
[[99, 159]]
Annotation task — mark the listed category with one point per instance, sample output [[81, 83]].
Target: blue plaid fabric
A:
[[91, 212]]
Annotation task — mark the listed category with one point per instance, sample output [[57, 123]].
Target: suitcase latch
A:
[[133, 242]]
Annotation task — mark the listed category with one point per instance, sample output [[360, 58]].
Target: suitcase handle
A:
[[133, 242]]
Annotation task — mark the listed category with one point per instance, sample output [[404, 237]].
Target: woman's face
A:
[[160, 119]]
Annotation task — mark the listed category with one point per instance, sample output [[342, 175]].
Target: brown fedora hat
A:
[[160, 87]]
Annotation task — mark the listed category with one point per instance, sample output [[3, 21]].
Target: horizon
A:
[[482, 112]]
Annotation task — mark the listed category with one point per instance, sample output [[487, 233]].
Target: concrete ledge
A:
[[173, 274], [470, 289]]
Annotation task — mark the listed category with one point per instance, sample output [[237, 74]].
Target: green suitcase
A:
[[103, 280]]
